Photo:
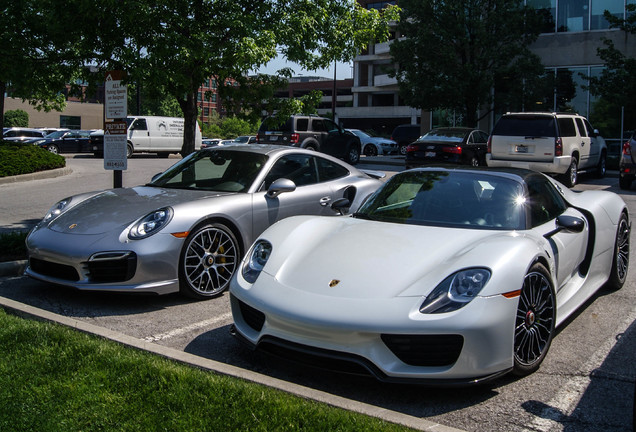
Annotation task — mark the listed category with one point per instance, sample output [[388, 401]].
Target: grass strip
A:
[[53, 378]]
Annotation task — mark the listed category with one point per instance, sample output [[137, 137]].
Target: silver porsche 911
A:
[[478, 268], [188, 228]]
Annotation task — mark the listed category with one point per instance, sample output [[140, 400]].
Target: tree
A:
[[616, 83], [17, 118], [452, 51], [174, 45]]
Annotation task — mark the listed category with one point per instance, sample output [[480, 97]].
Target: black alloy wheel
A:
[[535, 321], [620, 262], [370, 150]]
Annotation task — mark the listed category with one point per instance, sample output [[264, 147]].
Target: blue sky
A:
[[343, 70]]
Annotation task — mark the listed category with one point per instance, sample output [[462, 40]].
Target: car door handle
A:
[[325, 200]]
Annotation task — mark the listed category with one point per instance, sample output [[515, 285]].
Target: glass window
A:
[[546, 9], [317, 125], [615, 7], [545, 202], [573, 15], [299, 168], [581, 127], [302, 124], [566, 127], [71, 122], [328, 170]]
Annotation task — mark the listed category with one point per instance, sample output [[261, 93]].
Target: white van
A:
[[161, 135], [153, 134]]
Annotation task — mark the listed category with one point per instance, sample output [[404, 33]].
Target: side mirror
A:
[[279, 186], [154, 177], [567, 223], [341, 205]]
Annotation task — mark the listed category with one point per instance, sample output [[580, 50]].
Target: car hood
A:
[[373, 260], [117, 208]]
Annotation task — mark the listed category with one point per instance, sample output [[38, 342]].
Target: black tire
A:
[[311, 145], [625, 182], [209, 258], [98, 155], [474, 161], [535, 321], [163, 155], [620, 262], [353, 155], [129, 150], [601, 168], [53, 149], [572, 174], [370, 150]]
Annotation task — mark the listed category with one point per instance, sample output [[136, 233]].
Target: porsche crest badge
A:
[[333, 283]]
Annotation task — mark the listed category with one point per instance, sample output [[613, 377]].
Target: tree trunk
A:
[[189, 108], [3, 89]]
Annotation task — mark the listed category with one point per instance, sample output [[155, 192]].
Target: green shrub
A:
[[12, 246], [16, 158], [16, 118]]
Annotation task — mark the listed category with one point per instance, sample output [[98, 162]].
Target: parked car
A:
[[560, 144], [374, 145], [627, 164], [187, 229], [404, 135], [453, 145], [153, 134], [210, 142], [20, 134], [478, 270], [245, 139], [313, 133], [65, 141]]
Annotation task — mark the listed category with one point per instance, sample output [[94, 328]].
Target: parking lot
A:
[[585, 383]]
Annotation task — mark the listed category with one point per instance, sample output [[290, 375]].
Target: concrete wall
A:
[[91, 114]]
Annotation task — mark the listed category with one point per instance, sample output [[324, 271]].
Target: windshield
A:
[[443, 135], [448, 199], [56, 134], [213, 170]]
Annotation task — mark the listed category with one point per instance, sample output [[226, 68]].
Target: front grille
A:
[[51, 269], [425, 350], [252, 317], [108, 267]]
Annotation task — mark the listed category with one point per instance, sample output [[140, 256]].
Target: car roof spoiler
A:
[[374, 174]]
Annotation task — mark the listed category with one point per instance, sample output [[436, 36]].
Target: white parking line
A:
[[565, 401], [192, 327]]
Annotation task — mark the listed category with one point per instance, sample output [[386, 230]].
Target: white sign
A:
[[116, 96], [115, 142]]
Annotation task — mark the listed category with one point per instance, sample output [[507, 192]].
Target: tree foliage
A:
[[16, 118], [616, 83], [452, 52]]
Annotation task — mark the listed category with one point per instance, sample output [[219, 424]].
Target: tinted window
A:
[[544, 200], [317, 125], [328, 170], [302, 124], [140, 124], [579, 124], [299, 168], [527, 126], [566, 127], [269, 125]]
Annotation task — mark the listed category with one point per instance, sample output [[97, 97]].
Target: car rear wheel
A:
[[571, 175], [209, 259], [370, 150], [129, 150], [601, 168], [53, 149], [534, 324], [620, 263], [353, 155]]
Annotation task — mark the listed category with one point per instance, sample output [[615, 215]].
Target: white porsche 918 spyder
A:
[[444, 276]]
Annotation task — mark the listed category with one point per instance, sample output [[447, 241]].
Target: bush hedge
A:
[[18, 158]]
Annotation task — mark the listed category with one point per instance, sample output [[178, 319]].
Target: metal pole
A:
[[333, 96]]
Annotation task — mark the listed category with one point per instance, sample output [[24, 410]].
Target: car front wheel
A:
[[620, 262], [209, 259], [370, 150], [535, 321], [53, 149]]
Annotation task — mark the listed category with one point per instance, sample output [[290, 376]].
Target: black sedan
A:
[[450, 145], [65, 141]]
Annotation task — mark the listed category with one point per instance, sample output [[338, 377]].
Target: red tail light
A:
[[258, 138], [558, 147], [412, 147], [627, 149], [294, 138], [453, 150]]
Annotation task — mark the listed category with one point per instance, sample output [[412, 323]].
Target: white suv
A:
[[553, 143]]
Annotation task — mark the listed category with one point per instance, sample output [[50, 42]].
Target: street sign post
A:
[[116, 96], [115, 132], [115, 140]]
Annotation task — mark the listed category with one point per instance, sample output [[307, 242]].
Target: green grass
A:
[[12, 246], [16, 158], [54, 378]]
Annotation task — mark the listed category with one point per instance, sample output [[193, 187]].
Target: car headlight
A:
[[38, 142], [57, 209], [150, 224], [256, 259], [456, 291]]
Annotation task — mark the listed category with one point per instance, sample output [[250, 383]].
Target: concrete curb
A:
[[36, 175], [31, 312]]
